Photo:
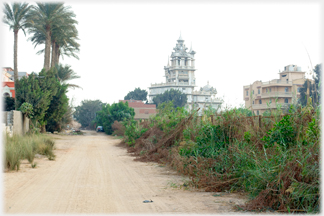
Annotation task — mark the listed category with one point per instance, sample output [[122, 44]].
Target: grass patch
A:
[[18, 148]]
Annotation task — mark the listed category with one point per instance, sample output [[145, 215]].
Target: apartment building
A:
[[261, 96]]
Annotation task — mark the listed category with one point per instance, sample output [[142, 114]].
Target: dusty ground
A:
[[91, 174]]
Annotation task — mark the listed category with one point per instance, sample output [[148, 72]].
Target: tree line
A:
[[43, 96]]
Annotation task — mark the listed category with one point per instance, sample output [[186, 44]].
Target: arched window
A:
[[6, 94]]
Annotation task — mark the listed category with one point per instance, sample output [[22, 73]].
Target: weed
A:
[[33, 165]]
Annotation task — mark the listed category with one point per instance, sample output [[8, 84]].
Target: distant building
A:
[[20, 75], [261, 96], [180, 75], [142, 110], [6, 77], [8, 85]]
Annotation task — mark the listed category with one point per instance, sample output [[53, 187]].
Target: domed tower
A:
[[182, 68]]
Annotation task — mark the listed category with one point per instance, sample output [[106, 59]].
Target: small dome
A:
[[207, 87]]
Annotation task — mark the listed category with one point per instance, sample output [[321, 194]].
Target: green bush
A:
[[133, 131]]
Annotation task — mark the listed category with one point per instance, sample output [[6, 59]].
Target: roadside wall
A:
[[15, 123]]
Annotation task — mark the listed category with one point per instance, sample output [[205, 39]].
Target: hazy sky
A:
[[126, 45]]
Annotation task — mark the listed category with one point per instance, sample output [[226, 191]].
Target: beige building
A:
[[261, 96], [142, 111]]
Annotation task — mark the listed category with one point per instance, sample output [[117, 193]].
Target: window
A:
[[258, 91], [247, 93], [252, 91], [260, 101], [183, 88], [284, 75], [178, 62], [270, 89], [257, 112], [267, 90], [253, 102], [298, 89], [286, 100], [270, 100], [286, 89]]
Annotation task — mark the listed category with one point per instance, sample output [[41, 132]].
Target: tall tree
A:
[[15, 17], [115, 112], [137, 94], [63, 40], [314, 89], [30, 91], [179, 99], [43, 18], [86, 112]]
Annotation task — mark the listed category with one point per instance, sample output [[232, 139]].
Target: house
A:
[[8, 84], [261, 96], [142, 110]]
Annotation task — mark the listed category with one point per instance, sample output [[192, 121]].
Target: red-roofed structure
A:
[[8, 89], [142, 110]]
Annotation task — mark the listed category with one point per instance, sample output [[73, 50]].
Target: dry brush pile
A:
[[277, 164]]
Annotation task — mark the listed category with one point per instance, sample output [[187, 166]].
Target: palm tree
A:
[[63, 40], [65, 73], [15, 17], [44, 18]]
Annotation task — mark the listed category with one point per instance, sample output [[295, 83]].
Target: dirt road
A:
[[91, 174]]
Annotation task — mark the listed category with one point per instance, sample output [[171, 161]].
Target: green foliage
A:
[[168, 116], [178, 98], [86, 112], [65, 73], [137, 94], [57, 109], [9, 103], [283, 133], [244, 111], [33, 91], [115, 112], [27, 109], [133, 131]]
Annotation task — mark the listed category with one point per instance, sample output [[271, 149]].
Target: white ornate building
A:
[[180, 75]]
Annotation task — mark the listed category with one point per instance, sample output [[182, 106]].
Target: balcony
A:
[[171, 84], [276, 83], [182, 67], [183, 76], [276, 94], [270, 106]]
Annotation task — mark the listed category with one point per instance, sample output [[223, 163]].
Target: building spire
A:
[[180, 38]]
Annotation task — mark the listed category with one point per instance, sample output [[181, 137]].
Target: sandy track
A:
[[91, 174]]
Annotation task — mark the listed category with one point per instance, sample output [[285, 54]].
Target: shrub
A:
[[133, 130]]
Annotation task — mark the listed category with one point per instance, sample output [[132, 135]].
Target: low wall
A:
[[16, 122]]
